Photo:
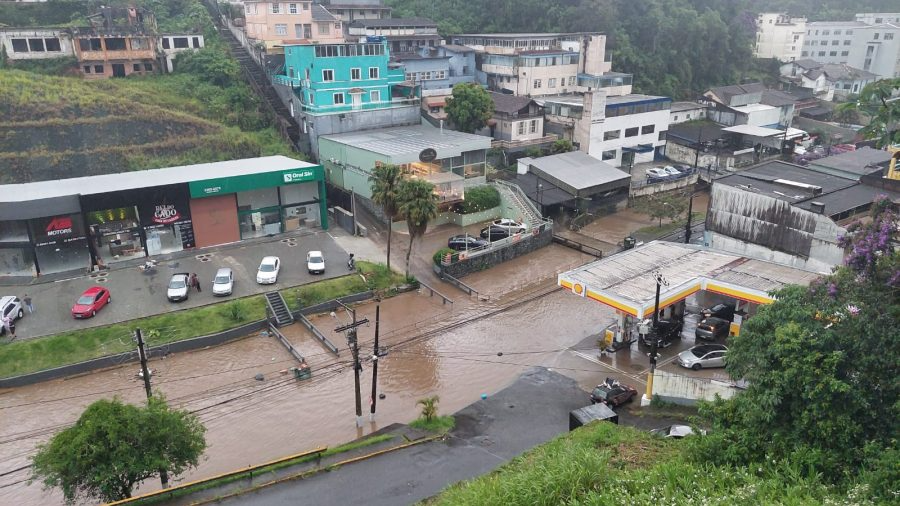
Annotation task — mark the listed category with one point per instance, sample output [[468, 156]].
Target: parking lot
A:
[[137, 294]]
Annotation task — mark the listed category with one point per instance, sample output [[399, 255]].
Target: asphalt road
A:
[[488, 433], [137, 294]]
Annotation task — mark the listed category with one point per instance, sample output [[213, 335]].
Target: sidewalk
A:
[[137, 294]]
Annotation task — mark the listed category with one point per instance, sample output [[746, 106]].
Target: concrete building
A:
[[436, 69], [620, 130], [169, 45], [354, 10], [828, 81], [75, 224], [448, 159], [877, 18], [779, 36], [871, 47], [517, 123], [404, 35], [119, 42], [274, 23], [538, 64], [748, 104], [36, 43], [788, 214], [337, 88], [853, 165], [682, 112]]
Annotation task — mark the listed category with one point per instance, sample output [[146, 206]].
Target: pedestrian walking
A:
[[27, 300], [8, 325], [196, 281], [12, 327]]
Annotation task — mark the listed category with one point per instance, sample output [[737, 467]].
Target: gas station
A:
[[627, 282]]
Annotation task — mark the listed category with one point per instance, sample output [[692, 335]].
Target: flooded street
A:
[[456, 351]]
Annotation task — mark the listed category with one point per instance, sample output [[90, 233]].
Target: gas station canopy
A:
[[625, 281]]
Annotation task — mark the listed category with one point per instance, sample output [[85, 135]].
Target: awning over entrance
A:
[[640, 148], [625, 281]]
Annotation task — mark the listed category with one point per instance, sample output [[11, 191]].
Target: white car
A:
[[513, 226], [179, 286], [268, 270], [12, 307], [657, 173], [315, 262], [223, 283], [672, 171]]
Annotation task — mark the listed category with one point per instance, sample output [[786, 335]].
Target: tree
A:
[[429, 407], [417, 204], [879, 102], [561, 146], [822, 370], [114, 446], [470, 107], [666, 206], [210, 64], [385, 181]]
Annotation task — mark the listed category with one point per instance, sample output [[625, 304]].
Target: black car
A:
[[712, 328], [612, 393], [493, 233], [723, 311], [666, 332], [466, 242]]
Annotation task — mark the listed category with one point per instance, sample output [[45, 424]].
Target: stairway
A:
[[257, 79], [515, 195], [278, 308]]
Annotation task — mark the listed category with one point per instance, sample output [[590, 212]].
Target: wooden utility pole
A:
[[145, 371]]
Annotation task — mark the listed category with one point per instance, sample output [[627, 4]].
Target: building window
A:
[[833, 53], [292, 8], [662, 135], [648, 129], [887, 36], [280, 29], [849, 32], [631, 132], [98, 69], [276, 8], [572, 81], [36, 45], [426, 76], [324, 28], [306, 6], [825, 32], [355, 74], [136, 67], [609, 155], [307, 31], [537, 83], [855, 87], [846, 42], [615, 134], [53, 44], [804, 53], [338, 98], [373, 72], [21, 45], [116, 44], [337, 26], [328, 75], [835, 42], [375, 96], [837, 32], [875, 36], [196, 42], [440, 74], [140, 43], [845, 53], [166, 44], [551, 83], [521, 128], [533, 126], [821, 53], [148, 67], [87, 69]]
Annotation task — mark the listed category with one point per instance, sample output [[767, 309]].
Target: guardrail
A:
[[433, 292], [584, 248], [287, 344], [319, 335], [459, 284]]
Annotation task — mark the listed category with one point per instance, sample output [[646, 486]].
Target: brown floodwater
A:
[[434, 349]]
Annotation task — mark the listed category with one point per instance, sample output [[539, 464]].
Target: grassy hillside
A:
[[604, 464]]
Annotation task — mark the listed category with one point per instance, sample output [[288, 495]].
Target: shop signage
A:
[[166, 213], [428, 155], [59, 226], [246, 182], [296, 176], [57, 229]]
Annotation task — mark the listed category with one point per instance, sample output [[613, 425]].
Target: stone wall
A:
[[497, 256]]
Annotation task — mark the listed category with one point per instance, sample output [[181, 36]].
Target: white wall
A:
[[686, 390], [779, 36], [659, 120], [65, 43]]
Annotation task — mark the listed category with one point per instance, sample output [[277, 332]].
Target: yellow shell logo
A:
[[578, 288]]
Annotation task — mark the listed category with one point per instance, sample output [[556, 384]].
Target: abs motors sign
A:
[[165, 214], [298, 176], [59, 226], [57, 229]]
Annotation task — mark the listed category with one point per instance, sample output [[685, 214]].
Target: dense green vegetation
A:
[[480, 198], [673, 47], [22, 357], [605, 464]]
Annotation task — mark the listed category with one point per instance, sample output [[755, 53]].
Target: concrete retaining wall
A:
[[665, 186], [687, 391], [527, 244]]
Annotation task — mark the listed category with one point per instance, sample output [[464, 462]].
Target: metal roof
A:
[[754, 131], [578, 173], [394, 22], [785, 181], [687, 106], [91, 185], [856, 162], [400, 142]]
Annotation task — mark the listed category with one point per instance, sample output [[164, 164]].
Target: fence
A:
[[319, 335], [433, 292], [459, 284]]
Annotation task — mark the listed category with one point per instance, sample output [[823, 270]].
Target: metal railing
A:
[[504, 144], [435, 292], [525, 203]]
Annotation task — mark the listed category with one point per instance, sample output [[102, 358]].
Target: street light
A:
[[660, 281]]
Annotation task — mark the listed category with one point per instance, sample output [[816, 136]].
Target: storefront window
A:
[[115, 234], [13, 231], [259, 223], [16, 262], [60, 244]]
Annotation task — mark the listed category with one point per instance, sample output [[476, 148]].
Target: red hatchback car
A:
[[92, 300]]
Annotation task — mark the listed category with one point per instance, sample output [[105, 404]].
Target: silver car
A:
[[223, 283], [704, 355], [179, 286], [12, 307]]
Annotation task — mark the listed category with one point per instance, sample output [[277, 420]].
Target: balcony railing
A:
[[368, 106]]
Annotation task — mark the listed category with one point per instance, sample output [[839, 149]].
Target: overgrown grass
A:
[[653, 231], [439, 424], [604, 464], [354, 445], [79, 345]]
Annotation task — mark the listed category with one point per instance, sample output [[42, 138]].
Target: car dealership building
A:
[[74, 224]]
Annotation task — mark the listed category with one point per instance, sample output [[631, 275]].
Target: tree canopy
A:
[[114, 446], [822, 369], [879, 102], [385, 181], [470, 107], [418, 204]]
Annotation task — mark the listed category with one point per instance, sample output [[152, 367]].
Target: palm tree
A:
[[417, 203], [385, 181], [429, 407]]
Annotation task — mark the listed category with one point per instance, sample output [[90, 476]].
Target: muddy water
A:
[[433, 351]]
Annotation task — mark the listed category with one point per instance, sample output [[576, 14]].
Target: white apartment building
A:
[[873, 48], [877, 18], [544, 64], [779, 35], [620, 130], [36, 43]]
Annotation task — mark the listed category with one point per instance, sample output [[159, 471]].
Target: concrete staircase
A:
[[512, 193], [279, 309], [258, 80]]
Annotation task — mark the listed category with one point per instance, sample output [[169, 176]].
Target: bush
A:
[[480, 198], [439, 255]]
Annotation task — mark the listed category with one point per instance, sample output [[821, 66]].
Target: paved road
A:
[[489, 433], [136, 294]]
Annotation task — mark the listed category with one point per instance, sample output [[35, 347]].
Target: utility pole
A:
[[375, 355], [660, 280], [142, 353], [699, 139], [352, 341], [687, 227]]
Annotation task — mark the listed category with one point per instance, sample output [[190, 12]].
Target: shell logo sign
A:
[[578, 289]]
